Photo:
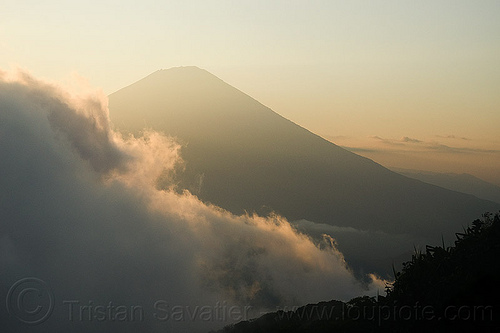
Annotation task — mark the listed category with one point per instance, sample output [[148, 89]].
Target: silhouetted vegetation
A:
[[444, 288]]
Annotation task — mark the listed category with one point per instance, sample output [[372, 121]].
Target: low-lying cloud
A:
[[80, 210], [369, 251]]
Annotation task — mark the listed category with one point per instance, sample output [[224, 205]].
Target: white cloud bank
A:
[[79, 209]]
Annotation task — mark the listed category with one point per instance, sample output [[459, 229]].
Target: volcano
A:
[[244, 157]]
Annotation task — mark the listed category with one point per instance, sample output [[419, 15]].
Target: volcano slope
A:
[[244, 157]]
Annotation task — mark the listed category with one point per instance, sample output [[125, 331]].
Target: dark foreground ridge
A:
[[443, 289]]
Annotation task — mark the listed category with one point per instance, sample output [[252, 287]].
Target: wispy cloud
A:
[[410, 144], [449, 149], [391, 142], [80, 209], [396, 142], [409, 140], [452, 137]]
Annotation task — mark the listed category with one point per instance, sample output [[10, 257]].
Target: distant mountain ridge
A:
[[464, 182], [243, 156]]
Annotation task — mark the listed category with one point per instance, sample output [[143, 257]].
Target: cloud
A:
[[452, 137], [376, 137], [412, 144], [379, 252], [410, 140], [387, 141], [80, 209], [396, 142], [448, 149]]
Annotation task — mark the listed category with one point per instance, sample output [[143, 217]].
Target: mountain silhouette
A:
[[464, 182], [244, 157]]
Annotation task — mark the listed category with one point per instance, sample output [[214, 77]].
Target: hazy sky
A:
[[385, 77]]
